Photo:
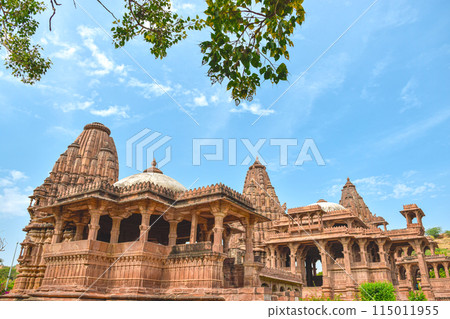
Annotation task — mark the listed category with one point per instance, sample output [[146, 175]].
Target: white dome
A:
[[328, 207], [156, 178]]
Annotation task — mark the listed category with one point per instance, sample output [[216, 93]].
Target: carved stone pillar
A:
[[326, 285], [348, 268], [273, 262], [173, 232], [115, 229], [79, 231], [57, 232], [447, 275], [424, 275], [145, 225], [408, 275], [363, 251], [93, 225], [194, 222], [218, 231], [249, 257], [293, 254]]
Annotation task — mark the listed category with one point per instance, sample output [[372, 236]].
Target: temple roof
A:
[[328, 206], [153, 175]]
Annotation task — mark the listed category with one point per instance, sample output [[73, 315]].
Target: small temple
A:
[[92, 236]]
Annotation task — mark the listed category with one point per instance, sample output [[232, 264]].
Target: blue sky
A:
[[376, 105]]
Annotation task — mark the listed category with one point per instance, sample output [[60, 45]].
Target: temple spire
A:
[[350, 199]]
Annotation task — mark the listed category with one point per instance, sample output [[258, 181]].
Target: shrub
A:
[[417, 296], [377, 291]]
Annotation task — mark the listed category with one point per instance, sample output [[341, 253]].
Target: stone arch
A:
[[441, 271], [282, 289], [265, 285], [373, 251], [402, 273], [399, 252], [356, 252], [410, 251], [336, 250], [416, 277], [312, 261]]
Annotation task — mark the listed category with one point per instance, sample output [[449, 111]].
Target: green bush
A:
[[377, 291], [417, 296]]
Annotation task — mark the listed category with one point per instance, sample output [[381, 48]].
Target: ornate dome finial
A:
[[153, 169]]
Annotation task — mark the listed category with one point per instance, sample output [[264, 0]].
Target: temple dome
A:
[[153, 175], [328, 206]]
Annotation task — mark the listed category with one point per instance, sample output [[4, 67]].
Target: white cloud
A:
[[200, 100], [102, 64], [149, 90], [386, 187], [112, 111], [73, 106], [13, 200], [254, 108], [409, 97]]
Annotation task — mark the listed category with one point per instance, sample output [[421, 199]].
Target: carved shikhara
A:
[[90, 239]]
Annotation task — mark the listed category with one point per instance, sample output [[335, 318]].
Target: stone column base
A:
[[251, 274]]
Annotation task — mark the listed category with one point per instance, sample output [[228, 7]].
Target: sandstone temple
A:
[[92, 236]]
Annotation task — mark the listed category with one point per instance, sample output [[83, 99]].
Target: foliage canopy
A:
[[248, 39]]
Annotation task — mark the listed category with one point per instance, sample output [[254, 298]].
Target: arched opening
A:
[[159, 231], [274, 288], [410, 251], [427, 251], [402, 273], [340, 225], [313, 265], [373, 250], [441, 271], [431, 273], [356, 252], [399, 253], [285, 257], [264, 285], [281, 289], [416, 278], [129, 228], [336, 251], [104, 232]]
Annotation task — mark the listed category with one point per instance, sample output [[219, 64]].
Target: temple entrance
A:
[[159, 231], [129, 228], [104, 233], [313, 266]]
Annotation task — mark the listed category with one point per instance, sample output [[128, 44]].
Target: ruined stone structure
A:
[[147, 237]]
